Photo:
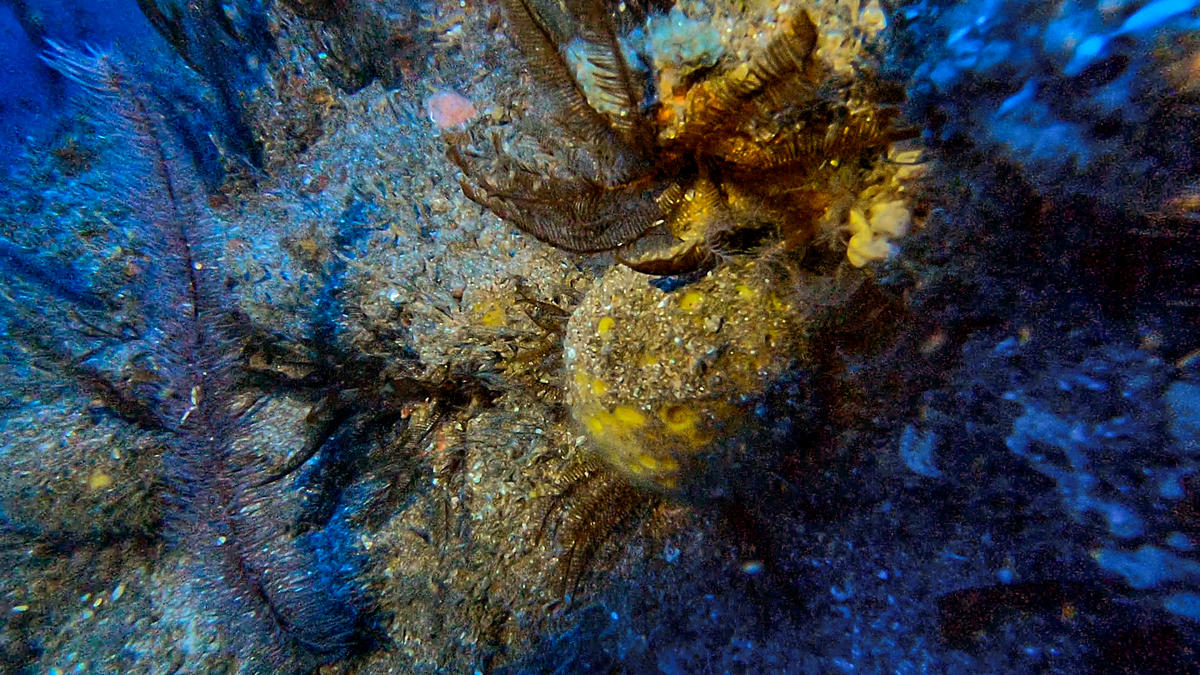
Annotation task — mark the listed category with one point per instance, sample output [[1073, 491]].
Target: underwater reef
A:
[[521, 336]]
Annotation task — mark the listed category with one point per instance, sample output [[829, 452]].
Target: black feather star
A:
[[288, 612]]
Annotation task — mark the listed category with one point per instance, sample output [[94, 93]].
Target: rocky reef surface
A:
[[298, 373]]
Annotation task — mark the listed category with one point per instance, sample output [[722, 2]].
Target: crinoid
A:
[[594, 507], [686, 140]]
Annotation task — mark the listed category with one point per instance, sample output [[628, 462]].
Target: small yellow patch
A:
[[858, 223], [629, 416], [493, 318], [595, 423], [595, 385], [865, 248], [745, 292], [645, 462], [606, 426], [648, 462], [310, 246], [1069, 611], [604, 326], [679, 419], [690, 300], [99, 480]]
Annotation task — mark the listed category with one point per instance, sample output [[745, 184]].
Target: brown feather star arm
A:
[[806, 146], [716, 103], [618, 85], [541, 46], [576, 214]]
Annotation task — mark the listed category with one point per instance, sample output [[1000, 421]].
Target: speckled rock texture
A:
[[974, 452]]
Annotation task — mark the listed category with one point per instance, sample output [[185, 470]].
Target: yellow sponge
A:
[[656, 379]]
